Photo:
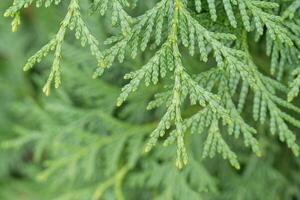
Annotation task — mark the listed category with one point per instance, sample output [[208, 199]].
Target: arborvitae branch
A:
[[170, 26]]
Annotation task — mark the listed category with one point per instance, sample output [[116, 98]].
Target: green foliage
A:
[[212, 82]]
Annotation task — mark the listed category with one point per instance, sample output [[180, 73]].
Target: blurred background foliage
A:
[[76, 144]]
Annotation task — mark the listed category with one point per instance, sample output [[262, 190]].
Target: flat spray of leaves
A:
[[173, 25]]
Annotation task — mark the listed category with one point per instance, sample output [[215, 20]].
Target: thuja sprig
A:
[[254, 16], [292, 9], [214, 122], [73, 21], [284, 57], [168, 58], [18, 5], [173, 113], [118, 15], [138, 37], [169, 25], [265, 100], [294, 85]]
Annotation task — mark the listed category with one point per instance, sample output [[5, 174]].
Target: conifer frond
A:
[[200, 85], [215, 144], [202, 120], [73, 21], [292, 9], [118, 14], [163, 32], [14, 10], [294, 85], [266, 100]]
